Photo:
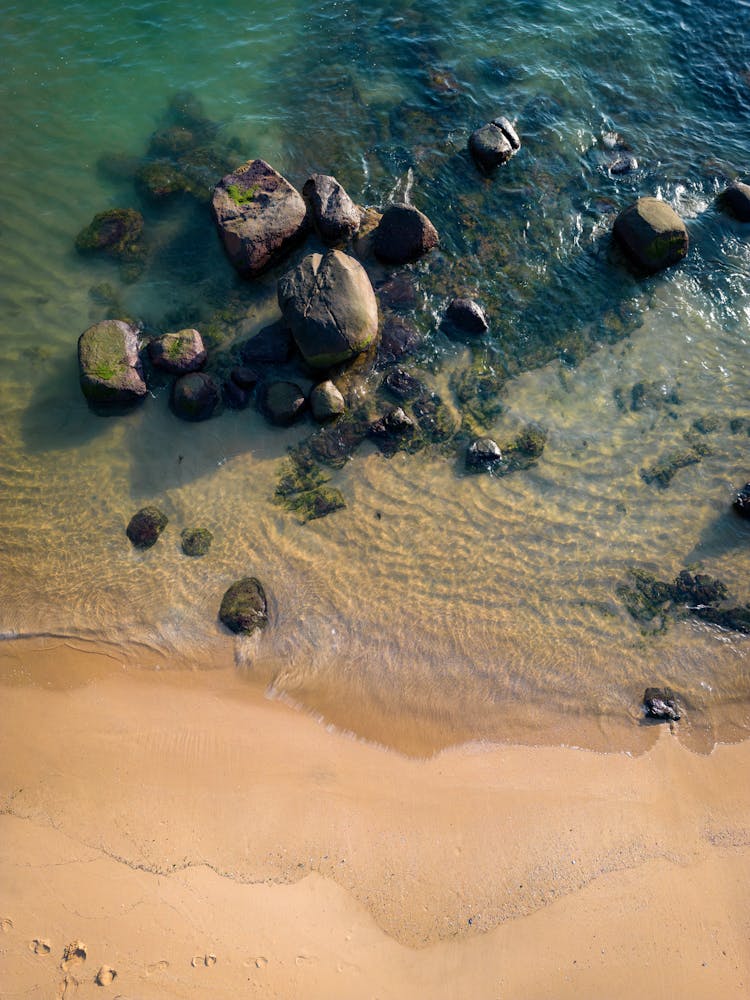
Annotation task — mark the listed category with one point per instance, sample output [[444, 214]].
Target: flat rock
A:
[[330, 306], [404, 234], [335, 216], [652, 234], [109, 364], [260, 216]]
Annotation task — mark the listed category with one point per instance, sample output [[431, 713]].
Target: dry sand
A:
[[189, 838]]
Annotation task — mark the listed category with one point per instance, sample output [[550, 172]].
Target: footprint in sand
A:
[[40, 946], [203, 960], [105, 976], [303, 958], [157, 967], [74, 954], [6, 925], [66, 988], [259, 962]]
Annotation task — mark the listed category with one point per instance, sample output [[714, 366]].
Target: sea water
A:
[[437, 603]]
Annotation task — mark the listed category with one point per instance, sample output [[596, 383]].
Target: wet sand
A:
[[200, 840]]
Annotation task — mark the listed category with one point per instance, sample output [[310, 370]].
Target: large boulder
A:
[[109, 364], [652, 234], [494, 143], [330, 306], [195, 396], [260, 216], [243, 607], [335, 215], [178, 353], [403, 235], [735, 199]]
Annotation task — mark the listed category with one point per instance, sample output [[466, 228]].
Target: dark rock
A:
[[196, 541], [434, 418], [398, 338], [328, 302], [663, 472], [244, 377], [335, 215], [698, 589], [109, 364], [117, 234], [660, 704], [741, 502], [494, 144], [623, 164], [334, 445], [482, 454], [234, 396], [280, 402], [260, 216], [465, 316], [178, 353], [404, 234], [302, 489], [398, 292], [326, 401], [652, 234], [735, 199], [391, 430], [403, 385], [653, 395], [273, 344], [145, 526], [243, 607], [195, 396]]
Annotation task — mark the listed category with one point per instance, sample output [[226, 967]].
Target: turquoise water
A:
[[456, 605]]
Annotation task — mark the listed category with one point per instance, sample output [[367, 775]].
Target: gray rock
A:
[[660, 704], [624, 164], [735, 199], [404, 234], [482, 454], [330, 306], [145, 526], [494, 143], [244, 608], [195, 396], [109, 365], [178, 353], [280, 402], [652, 234], [465, 316], [326, 401], [260, 216], [335, 215]]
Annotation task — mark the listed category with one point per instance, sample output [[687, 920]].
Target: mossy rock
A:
[[117, 234], [303, 488], [663, 472], [161, 180], [243, 608], [145, 526], [109, 364], [196, 541]]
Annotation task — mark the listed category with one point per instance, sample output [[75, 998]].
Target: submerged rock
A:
[[117, 234], [735, 199], [625, 163], [303, 488], [195, 396], [145, 526], [260, 216], [196, 541], [404, 234], [482, 454], [178, 353], [402, 385], [659, 703], [273, 345], [494, 143], [281, 402], [398, 338], [652, 234], [243, 608], [465, 316], [330, 306], [109, 364], [741, 502], [391, 431], [335, 215]]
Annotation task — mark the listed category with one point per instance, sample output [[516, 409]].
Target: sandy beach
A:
[[189, 838]]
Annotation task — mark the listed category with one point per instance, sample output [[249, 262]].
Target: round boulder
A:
[[330, 306], [195, 396], [178, 353], [243, 607], [109, 364], [735, 199], [494, 143], [326, 401], [281, 402], [652, 234], [145, 526], [260, 216], [335, 215], [404, 234]]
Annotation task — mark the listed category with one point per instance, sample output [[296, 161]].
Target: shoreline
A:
[[165, 817]]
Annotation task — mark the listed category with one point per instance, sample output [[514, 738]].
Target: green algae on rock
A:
[[243, 607], [118, 234], [110, 367], [303, 489], [196, 541]]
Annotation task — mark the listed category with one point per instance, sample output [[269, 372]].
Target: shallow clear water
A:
[[437, 603]]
